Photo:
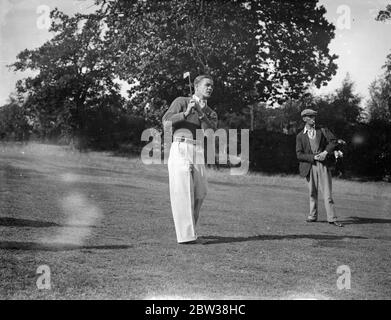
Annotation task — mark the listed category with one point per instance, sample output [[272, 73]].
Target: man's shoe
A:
[[311, 220], [337, 224]]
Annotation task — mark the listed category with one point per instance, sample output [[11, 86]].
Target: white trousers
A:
[[188, 187]]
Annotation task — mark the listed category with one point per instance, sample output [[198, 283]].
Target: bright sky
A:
[[362, 48]]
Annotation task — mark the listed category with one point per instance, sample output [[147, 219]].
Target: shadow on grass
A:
[[36, 246], [360, 220], [16, 222], [16, 173], [219, 239]]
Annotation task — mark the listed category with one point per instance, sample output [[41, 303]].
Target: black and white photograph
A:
[[195, 150]]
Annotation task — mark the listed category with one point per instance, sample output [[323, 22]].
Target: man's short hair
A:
[[198, 79]]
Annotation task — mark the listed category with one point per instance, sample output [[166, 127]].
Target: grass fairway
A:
[[103, 225]]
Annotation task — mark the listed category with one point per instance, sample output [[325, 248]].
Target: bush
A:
[[108, 130], [273, 152], [367, 153]]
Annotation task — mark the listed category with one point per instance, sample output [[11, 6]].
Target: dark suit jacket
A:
[[304, 153]]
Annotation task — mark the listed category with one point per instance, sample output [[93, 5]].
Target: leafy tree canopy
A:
[[74, 76], [255, 50], [385, 14], [342, 110], [379, 102]]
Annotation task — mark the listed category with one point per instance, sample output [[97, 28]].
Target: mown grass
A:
[[103, 225]]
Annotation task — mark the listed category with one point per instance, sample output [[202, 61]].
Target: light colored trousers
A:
[[320, 176], [188, 187]]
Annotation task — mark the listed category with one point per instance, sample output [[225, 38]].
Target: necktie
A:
[[311, 133]]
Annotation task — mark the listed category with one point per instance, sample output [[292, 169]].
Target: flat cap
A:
[[308, 112]]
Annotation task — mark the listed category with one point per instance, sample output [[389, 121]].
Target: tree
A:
[[295, 36], [342, 110], [255, 50], [379, 102], [74, 80], [385, 14]]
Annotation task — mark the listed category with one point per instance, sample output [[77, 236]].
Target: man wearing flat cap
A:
[[313, 146]]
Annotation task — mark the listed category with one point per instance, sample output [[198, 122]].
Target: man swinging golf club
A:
[[186, 168]]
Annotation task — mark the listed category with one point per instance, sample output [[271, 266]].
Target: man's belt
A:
[[183, 139]]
